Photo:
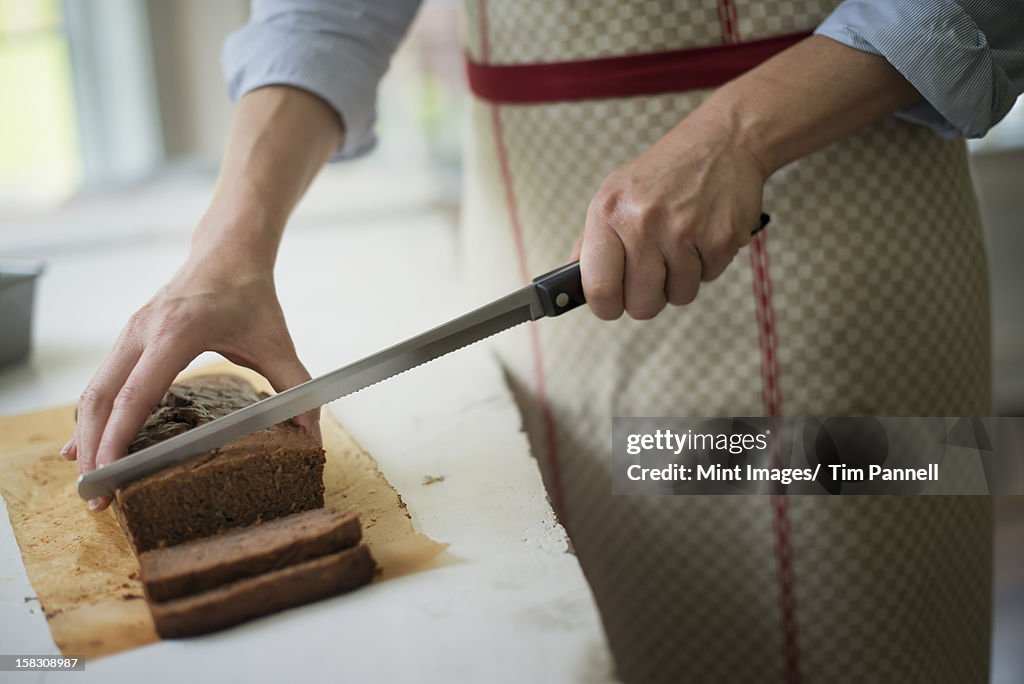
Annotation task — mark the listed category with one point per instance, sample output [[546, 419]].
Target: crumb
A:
[[431, 479]]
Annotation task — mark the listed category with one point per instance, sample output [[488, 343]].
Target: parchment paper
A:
[[80, 565]]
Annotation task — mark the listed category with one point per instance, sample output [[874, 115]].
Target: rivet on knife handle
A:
[[561, 290]]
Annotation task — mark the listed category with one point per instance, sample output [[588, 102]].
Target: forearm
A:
[[279, 139], [678, 214], [805, 98]]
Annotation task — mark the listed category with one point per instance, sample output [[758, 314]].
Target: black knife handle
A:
[[561, 290], [761, 223]]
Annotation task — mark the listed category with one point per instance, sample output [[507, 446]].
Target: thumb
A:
[[577, 248], [284, 371]]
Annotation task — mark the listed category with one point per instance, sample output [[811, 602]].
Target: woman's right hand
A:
[[215, 302], [223, 298]]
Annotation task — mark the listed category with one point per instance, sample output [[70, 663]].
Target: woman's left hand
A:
[[670, 219]]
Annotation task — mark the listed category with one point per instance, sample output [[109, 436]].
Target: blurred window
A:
[[39, 153]]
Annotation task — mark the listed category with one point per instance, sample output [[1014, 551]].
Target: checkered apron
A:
[[867, 294]]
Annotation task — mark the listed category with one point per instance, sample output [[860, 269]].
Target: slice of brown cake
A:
[[264, 594], [266, 475], [205, 564]]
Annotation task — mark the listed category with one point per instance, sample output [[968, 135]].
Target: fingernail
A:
[[94, 504], [67, 447]]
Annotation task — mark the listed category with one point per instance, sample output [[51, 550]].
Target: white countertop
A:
[[514, 607]]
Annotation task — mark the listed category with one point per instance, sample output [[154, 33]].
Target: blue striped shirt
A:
[[965, 57]]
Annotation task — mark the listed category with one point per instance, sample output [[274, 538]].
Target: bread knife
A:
[[548, 295]]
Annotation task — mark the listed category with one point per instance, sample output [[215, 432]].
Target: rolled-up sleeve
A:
[[966, 58], [335, 49]]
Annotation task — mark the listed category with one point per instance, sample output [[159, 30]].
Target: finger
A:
[[69, 452], [714, 266], [159, 364], [282, 368], [717, 251], [96, 401], [314, 418], [682, 281], [576, 249], [744, 237], [644, 281], [99, 503], [602, 267]]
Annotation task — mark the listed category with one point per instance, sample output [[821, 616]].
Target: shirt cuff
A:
[[940, 50], [309, 61]]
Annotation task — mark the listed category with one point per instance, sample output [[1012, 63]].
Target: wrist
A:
[[239, 230], [220, 267], [730, 129], [248, 238]]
